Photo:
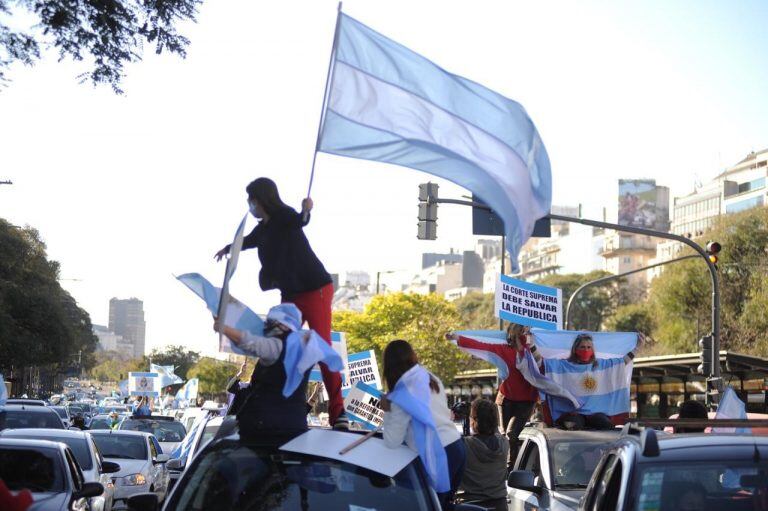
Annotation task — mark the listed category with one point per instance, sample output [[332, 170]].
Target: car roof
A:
[[118, 432], [30, 443], [43, 432], [165, 418], [702, 447], [562, 435], [26, 401], [29, 408]]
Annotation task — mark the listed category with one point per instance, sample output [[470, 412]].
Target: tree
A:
[[109, 33], [635, 317], [213, 374], [477, 311], [593, 305], [681, 295], [178, 356], [40, 323], [422, 320]]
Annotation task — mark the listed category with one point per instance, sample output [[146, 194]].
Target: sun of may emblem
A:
[[588, 383]]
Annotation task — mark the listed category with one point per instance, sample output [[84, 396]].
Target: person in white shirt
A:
[[399, 357]]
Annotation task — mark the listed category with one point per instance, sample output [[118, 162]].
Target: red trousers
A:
[[315, 307]]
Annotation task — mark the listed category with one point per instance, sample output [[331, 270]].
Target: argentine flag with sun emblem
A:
[[602, 387]]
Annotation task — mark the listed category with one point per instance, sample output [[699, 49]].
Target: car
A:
[[23, 416], [25, 401], [168, 431], [63, 412], [101, 421], [87, 455], [142, 465], [553, 466], [81, 408], [646, 469], [271, 472], [201, 433], [48, 470]]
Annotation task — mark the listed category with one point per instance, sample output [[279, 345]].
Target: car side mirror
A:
[[523, 480], [176, 464], [109, 467], [161, 458], [89, 490], [143, 502]]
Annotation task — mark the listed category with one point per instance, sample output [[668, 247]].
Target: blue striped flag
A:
[[413, 395], [304, 349], [165, 374], [389, 104]]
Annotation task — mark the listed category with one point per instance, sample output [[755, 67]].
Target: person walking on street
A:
[[516, 396], [289, 264]]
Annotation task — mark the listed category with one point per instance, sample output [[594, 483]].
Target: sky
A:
[[128, 191]]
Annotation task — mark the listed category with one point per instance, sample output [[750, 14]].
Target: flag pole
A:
[[328, 81]]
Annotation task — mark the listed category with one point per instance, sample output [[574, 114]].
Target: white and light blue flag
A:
[[599, 388], [304, 349], [485, 346], [387, 103], [165, 374], [188, 391], [3, 393], [413, 395], [238, 316], [731, 407], [123, 386]]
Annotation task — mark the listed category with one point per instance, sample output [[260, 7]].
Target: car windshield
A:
[[250, 479], [121, 446], [61, 411], [573, 462], [100, 423], [37, 470], [164, 431], [28, 419], [703, 485]]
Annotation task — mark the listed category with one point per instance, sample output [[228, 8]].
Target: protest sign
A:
[[362, 367], [529, 304], [362, 405], [143, 384]]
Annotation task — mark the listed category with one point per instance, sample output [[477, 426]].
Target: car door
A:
[[78, 481], [104, 479], [607, 486], [529, 459]]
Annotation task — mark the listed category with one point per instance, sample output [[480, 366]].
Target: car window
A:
[[37, 470], [208, 433], [530, 460], [61, 411], [29, 419], [164, 431], [77, 476], [239, 477], [574, 462], [601, 485], [79, 447], [121, 446], [97, 452], [152, 448], [717, 484]]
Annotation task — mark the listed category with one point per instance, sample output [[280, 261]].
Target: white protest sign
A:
[[529, 304], [143, 384], [362, 405], [362, 367]]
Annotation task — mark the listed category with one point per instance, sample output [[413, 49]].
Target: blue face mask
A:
[[252, 208]]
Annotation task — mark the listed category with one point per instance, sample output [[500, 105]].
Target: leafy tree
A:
[[108, 33], [422, 320], [635, 317], [593, 305], [40, 323], [178, 356], [477, 311], [213, 374]]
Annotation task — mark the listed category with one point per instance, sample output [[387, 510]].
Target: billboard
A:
[[640, 204]]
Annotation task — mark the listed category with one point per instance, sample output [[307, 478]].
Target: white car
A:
[[168, 431], [95, 469], [142, 466]]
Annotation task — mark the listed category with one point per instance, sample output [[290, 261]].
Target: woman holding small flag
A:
[[416, 412], [516, 396], [289, 264]]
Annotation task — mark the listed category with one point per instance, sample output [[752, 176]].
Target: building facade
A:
[[126, 319]]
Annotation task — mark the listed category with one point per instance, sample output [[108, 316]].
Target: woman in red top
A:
[[516, 396]]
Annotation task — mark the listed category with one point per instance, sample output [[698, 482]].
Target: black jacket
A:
[[287, 261]]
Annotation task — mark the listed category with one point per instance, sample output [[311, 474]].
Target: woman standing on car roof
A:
[[289, 264], [516, 396]]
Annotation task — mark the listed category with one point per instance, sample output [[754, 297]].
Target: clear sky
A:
[[129, 190]]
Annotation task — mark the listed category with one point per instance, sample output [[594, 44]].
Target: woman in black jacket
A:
[[289, 264]]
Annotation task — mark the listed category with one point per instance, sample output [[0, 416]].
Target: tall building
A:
[[432, 259], [126, 319]]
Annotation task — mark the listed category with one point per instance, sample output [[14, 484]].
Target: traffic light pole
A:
[[609, 278], [714, 379]]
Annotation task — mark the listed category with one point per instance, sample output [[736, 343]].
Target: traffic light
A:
[[427, 211], [713, 248], [707, 355]]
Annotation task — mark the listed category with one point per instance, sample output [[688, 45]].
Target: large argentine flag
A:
[[165, 374], [389, 104], [602, 388]]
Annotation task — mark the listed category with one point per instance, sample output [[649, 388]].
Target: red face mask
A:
[[584, 354]]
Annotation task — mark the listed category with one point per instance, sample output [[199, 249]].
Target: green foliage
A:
[[477, 311], [40, 323], [635, 317], [111, 366], [213, 374], [681, 296], [109, 34], [592, 305], [178, 356], [422, 320]]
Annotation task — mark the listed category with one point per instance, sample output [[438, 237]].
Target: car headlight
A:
[[134, 480]]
